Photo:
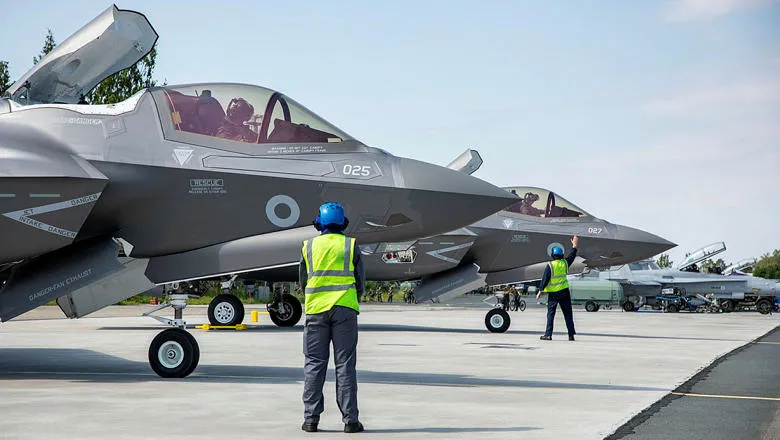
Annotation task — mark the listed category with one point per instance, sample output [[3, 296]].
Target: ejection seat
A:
[[196, 114]]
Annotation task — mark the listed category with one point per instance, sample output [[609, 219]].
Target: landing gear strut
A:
[[174, 353]]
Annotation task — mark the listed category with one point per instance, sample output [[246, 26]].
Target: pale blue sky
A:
[[662, 115]]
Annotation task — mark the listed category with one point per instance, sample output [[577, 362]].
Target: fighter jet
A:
[[644, 283], [189, 181], [502, 248]]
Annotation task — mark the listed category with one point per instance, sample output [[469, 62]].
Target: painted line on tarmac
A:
[[773, 399], [767, 342]]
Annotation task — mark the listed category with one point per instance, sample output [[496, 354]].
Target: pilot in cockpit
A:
[[526, 205], [233, 127]]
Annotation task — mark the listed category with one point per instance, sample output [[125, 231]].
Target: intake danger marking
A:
[[23, 215]]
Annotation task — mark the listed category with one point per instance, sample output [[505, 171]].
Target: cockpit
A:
[[243, 113], [644, 265], [538, 202]]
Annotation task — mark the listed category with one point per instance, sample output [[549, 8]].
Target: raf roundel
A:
[[270, 211]]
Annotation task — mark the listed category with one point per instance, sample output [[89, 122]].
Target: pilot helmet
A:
[[239, 111]]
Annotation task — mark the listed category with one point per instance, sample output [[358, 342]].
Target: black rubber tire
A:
[[598, 307], [590, 306], [293, 310], [497, 321], [522, 305], [190, 353], [628, 306], [672, 308], [217, 311], [764, 306], [727, 305]]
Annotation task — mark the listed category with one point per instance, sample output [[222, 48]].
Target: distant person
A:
[[556, 286], [332, 274], [390, 296]]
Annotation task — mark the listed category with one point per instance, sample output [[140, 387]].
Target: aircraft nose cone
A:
[[445, 199], [640, 245]]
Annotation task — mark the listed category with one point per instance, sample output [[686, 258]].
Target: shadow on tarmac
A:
[[421, 329], [80, 365]]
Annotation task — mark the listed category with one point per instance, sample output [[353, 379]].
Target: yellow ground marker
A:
[[222, 327], [255, 313], [773, 399]]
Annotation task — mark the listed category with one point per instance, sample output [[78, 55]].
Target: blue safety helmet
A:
[[331, 217], [557, 251]]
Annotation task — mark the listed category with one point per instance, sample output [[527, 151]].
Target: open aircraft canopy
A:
[[539, 202], [113, 41]]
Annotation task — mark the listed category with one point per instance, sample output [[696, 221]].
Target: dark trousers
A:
[[339, 326], [564, 299]]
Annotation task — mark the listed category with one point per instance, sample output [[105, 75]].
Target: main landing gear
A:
[[174, 353]]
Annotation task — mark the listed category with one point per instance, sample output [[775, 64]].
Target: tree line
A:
[[115, 88]]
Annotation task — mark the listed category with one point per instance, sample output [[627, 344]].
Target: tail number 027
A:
[[356, 170], [594, 230]]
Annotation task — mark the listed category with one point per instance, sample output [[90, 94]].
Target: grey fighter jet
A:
[[644, 283], [191, 181], [502, 248]]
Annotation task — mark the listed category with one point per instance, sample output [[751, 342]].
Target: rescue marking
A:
[[773, 399], [438, 252], [23, 215]]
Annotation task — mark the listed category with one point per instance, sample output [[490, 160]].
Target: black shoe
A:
[[545, 338], [571, 337], [352, 428], [309, 427]]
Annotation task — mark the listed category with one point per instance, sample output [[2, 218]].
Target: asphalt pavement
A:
[[737, 397]]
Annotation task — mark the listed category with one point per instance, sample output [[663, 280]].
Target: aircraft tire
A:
[[727, 305], [174, 353], [290, 311], [497, 321], [672, 308], [226, 309], [590, 306], [628, 306], [764, 306]]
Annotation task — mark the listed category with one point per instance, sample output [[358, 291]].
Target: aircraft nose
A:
[[443, 199], [640, 245]]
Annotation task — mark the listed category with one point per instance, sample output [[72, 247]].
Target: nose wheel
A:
[[174, 352], [497, 320]]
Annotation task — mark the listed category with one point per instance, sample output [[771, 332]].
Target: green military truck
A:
[[594, 294]]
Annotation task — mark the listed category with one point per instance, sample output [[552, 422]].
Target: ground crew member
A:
[[331, 273], [556, 286]]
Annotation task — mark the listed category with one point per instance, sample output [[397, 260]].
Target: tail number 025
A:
[[356, 170]]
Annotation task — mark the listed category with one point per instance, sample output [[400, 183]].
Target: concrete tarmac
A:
[[424, 372]]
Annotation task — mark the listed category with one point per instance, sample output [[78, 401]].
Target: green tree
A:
[[48, 45], [768, 266], [5, 77], [663, 261]]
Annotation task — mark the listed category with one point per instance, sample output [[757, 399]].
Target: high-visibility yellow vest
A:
[[558, 271], [330, 273]]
